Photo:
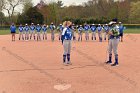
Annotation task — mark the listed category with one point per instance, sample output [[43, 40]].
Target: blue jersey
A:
[[121, 28], [86, 27], [13, 29], [38, 28], [61, 28], [20, 28], [73, 27], [106, 28], [26, 28], [93, 28], [99, 28], [44, 28], [32, 28], [52, 27], [80, 29], [67, 33]]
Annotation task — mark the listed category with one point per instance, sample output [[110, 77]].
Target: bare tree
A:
[[2, 2], [10, 5]]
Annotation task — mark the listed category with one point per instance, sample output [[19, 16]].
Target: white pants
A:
[[94, 35], [32, 33], [44, 35], [52, 35], [67, 47], [21, 35], [26, 35], [113, 45], [87, 35], [106, 35], [38, 36]]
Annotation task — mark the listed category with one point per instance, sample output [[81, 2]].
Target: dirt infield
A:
[[36, 67]]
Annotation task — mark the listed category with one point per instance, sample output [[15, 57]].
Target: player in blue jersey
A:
[[60, 29], [52, 29], [32, 31], [21, 29], [106, 30], [80, 32], [113, 42], [44, 32], [26, 29], [99, 29], [13, 31], [38, 29], [121, 30], [93, 30], [66, 41], [86, 29], [73, 27]]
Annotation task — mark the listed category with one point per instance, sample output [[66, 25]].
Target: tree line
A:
[[92, 11]]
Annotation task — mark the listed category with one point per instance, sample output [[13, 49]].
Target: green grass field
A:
[[133, 31]]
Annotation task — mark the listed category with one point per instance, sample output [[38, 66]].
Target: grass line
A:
[[133, 31]]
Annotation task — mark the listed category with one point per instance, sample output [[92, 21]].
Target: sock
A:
[[116, 59], [64, 58], [68, 57], [110, 57]]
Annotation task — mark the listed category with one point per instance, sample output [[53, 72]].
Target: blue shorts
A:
[[13, 32], [121, 34]]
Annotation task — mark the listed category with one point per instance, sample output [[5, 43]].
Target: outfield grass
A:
[[133, 31], [4, 32]]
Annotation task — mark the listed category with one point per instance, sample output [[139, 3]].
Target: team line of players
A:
[[34, 31]]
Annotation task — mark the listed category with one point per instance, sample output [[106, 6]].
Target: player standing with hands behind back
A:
[[113, 42], [13, 31], [66, 41], [52, 28]]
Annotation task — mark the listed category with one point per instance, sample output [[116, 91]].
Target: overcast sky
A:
[[66, 2]]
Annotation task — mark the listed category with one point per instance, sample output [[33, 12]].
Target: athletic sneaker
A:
[[115, 64], [108, 62], [69, 63], [65, 64]]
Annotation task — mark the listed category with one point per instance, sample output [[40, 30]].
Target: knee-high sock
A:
[[68, 57], [110, 57], [64, 58], [116, 59]]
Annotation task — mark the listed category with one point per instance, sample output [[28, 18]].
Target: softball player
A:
[[66, 41], [86, 28], [32, 31], [21, 29], [73, 31], [93, 29], [80, 30], [60, 29], [13, 31], [38, 29], [113, 43], [52, 28], [99, 28], [121, 30], [26, 29], [44, 33], [106, 29]]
